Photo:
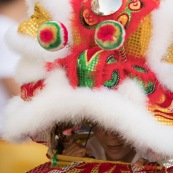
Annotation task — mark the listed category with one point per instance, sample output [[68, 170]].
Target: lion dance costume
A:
[[111, 67]]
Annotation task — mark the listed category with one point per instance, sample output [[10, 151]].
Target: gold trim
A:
[[30, 26]]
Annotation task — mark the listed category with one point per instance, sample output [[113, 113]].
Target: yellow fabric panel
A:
[[19, 158], [137, 44]]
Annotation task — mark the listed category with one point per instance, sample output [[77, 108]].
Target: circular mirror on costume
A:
[[105, 7]]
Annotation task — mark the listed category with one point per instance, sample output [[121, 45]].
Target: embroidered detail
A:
[[124, 19], [87, 19], [139, 69], [135, 5], [86, 66], [126, 16], [31, 89]]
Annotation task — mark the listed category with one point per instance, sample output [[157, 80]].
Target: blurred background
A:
[[14, 158]]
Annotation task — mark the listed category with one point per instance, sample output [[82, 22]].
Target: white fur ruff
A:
[[123, 110], [31, 66], [162, 38], [59, 102]]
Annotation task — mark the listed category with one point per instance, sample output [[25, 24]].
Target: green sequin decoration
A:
[[86, 68], [149, 87], [139, 69], [113, 82], [111, 59]]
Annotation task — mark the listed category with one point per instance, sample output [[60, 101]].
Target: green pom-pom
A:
[[109, 35], [52, 35]]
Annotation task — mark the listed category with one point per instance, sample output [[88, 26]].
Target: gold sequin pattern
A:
[[96, 169], [162, 99], [169, 57], [74, 171], [138, 42], [161, 115], [30, 26], [164, 121], [77, 38]]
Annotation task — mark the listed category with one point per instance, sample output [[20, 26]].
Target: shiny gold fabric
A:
[[138, 42], [169, 57], [30, 26]]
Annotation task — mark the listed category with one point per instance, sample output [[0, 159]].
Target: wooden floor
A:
[[19, 158]]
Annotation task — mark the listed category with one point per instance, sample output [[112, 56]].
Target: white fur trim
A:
[[31, 65], [162, 38], [60, 102], [132, 91], [29, 46], [30, 71]]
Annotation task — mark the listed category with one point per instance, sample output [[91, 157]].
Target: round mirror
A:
[[105, 7]]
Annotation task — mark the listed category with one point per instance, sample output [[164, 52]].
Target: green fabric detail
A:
[[54, 161], [140, 69], [111, 59], [86, 68], [113, 82], [149, 88]]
